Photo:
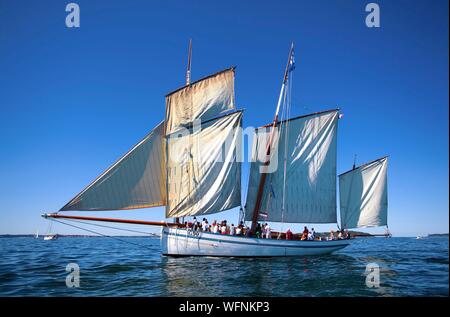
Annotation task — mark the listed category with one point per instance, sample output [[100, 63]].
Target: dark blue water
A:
[[408, 267]]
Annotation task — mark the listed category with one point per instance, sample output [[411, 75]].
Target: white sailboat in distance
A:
[[190, 164]]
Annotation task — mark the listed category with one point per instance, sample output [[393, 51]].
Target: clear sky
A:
[[72, 101]]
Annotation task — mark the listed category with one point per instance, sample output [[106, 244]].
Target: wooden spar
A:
[[129, 221], [267, 162]]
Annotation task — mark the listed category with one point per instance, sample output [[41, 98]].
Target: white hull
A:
[[50, 237], [182, 242]]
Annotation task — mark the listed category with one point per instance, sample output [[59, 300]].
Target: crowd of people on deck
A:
[[261, 231]]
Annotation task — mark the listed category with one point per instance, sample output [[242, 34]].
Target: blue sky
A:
[[72, 101]]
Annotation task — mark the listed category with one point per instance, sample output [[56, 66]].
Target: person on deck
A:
[[232, 230], [268, 231], [194, 224], [313, 233], [215, 227], [331, 236], [340, 236], [223, 229], [205, 226], [247, 231], [239, 230], [304, 234], [258, 230], [263, 230], [289, 234]]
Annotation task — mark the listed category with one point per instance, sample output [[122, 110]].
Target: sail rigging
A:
[[203, 173], [310, 195], [363, 195], [136, 180]]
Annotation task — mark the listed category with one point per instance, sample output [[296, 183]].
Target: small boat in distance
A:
[[190, 163], [36, 236], [50, 237]]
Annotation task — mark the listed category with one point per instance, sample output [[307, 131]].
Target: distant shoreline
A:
[[150, 235], [438, 235], [154, 235]]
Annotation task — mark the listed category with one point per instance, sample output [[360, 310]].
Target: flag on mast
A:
[[292, 62]]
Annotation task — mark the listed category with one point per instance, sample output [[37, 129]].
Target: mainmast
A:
[[289, 67], [188, 82]]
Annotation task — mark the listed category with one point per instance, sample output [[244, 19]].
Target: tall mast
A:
[[188, 71], [289, 65]]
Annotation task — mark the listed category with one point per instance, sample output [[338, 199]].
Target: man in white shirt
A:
[[268, 231], [232, 230], [203, 224]]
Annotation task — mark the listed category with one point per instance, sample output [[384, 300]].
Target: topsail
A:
[[363, 195], [308, 185], [204, 99]]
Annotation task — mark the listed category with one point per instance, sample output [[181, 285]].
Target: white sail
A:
[[137, 180], [203, 175], [310, 182], [204, 99], [363, 195]]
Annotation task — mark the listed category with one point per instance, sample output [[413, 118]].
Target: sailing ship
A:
[[190, 163], [49, 235]]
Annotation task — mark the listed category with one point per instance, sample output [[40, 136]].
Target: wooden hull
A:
[[182, 242]]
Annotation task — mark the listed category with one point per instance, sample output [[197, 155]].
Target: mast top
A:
[[290, 64], [188, 71]]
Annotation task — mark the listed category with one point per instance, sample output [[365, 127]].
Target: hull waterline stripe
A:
[[263, 244]]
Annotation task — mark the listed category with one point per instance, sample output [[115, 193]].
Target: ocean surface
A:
[[135, 267]]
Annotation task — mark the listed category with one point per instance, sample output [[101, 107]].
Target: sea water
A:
[[134, 266]]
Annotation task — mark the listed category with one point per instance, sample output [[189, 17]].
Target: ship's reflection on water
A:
[[331, 275]]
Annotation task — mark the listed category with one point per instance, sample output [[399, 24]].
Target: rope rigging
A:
[[101, 234]]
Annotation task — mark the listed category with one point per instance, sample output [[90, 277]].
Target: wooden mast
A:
[[188, 82], [267, 161]]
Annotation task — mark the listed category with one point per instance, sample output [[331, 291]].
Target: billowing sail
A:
[[137, 180], [203, 174], [307, 185], [204, 99], [363, 195]]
